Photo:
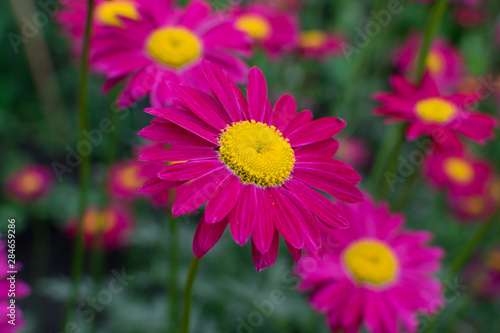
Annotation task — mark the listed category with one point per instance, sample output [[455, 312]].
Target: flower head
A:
[[167, 44], [30, 182], [274, 29], [483, 274], [254, 165], [430, 112], [374, 273], [319, 44], [478, 206]]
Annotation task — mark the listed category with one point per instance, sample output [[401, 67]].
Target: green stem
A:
[[410, 182], [172, 282], [193, 269], [78, 253]]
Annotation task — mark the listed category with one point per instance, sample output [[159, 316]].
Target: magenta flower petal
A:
[[257, 94], [298, 121], [176, 155], [315, 131], [206, 235], [224, 198], [296, 253], [284, 111], [284, 219], [173, 134], [158, 185], [188, 170], [326, 148], [242, 218], [263, 230]]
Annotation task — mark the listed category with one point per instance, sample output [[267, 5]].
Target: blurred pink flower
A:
[[375, 273], [317, 44], [483, 275], [167, 44], [353, 151], [29, 183]]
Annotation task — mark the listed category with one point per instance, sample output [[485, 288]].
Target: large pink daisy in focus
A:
[[276, 30], [430, 112], [255, 166], [375, 273], [444, 62], [167, 44]]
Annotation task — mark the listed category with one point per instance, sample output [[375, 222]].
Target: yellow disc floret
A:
[[130, 178], [96, 222], [459, 170], [435, 63], [257, 153], [30, 182], [370, 261], [255, 26], [109, 12], [435, 110], [312, 39], [174, 46]]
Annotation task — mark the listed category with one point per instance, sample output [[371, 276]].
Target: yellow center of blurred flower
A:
[[495, 190], [30, 182], [436, 110], [493, 260], [109, 12], [255, 26], [96, 222], [474, 205], [435, 63], [459, 170], [312, 39], [174, 46], [130, 178], [371, 261], [256, 153]]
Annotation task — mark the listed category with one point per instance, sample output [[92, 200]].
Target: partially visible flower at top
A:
[[483, 274], [469, 17], [167, 44], [375, 273], [254, 165], [109, 226], [274, 29], [22, 290], [458, 173], [29, 183], [430, 112], [73, 13], [444, 62], [319, 44], [353, 151]]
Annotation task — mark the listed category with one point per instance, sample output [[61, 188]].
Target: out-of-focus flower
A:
[[73, 13], [109, 226], [430, 112], [458, 173], [29, 183], [254, 165], [374, 273], [10, 310], [353, 151], [469, 17], [444, 62], [483, 275], [167, 44], [319, 44], [273, 29], [473, 207]]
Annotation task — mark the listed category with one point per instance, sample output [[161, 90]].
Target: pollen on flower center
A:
[[129, 177], [98, 222], [255, 26], [370, 261], [312, 39], [109, 12], [256, 153], [436, 110], [30, 182], [459, 170], [174, 46], [435, 63]]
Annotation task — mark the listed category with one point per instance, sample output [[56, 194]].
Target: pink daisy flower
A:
[[254, 165], [10, 309], [111, 224], [29, 183], [273, 29], [167, 44], [319, 44], [374, 273], [73, 13], [444, 62], [430, 112], [458, 173]]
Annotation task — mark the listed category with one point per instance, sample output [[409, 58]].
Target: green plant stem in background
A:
[[78, 253], [172, 283], [193, 269], [403, 198]]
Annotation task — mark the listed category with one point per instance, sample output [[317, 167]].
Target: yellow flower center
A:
[[30, 182], [312, 39], [371, 261], [99, 222], [255, 26], [474, 205], [435, 63], [109, 12], [256, 153], [459, 170], [436, 110], [129, 177], [174, 46]]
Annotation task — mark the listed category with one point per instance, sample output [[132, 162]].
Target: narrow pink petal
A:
[[326, 147], [257, 94], [270, 256], [223, 200], [298, 121], [176, 155], [318, 130], [330, 295], [206, 235], [188, 170], [332, 166], [173, 134], [296, 253], [263, 230], [284, 218], [156, 185], [242, 217], [258, 259], [195, 12], [283, 113]]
